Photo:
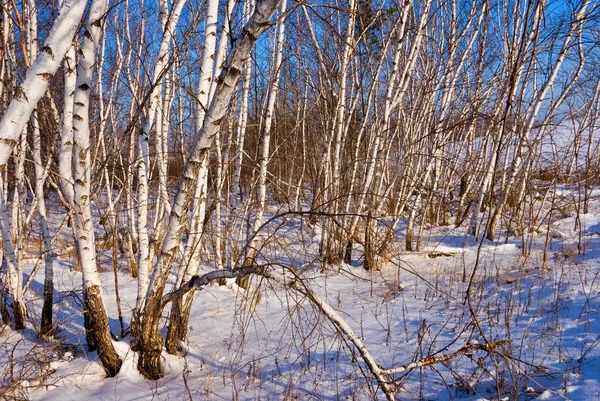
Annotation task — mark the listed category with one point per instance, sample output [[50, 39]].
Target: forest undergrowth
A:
[[525, 332]]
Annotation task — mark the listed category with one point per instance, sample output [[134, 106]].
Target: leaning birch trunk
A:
[[177, 331], [201, 190], [150, 341], [38, 76], [192, 250], [180, 310], [26, 97], [97, 330]]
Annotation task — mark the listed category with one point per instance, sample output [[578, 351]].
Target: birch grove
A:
[[167, 142]]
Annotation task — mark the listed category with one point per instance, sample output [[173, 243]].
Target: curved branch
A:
[[198, 282]]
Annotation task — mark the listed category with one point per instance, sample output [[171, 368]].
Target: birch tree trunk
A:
[[181, 309], [266, 139], [150, 340], [49, 255], [38, 76], [15, 279], [578, 21], [169, 23], [98, 329]]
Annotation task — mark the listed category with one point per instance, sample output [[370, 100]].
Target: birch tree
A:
[[181, 309], [169, 23], [38, 76], [266, 136], [150, 341], [97, 327], [576, 25]]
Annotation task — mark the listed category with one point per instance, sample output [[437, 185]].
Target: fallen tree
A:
[[289, 278]]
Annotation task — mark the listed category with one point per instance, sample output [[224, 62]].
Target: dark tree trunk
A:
[[100, 331], [19, 313], [348, 253], [46, 329], [46, 324], [178, 325], [150, 341]]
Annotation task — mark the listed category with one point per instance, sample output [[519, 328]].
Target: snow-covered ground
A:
[[546, 322]]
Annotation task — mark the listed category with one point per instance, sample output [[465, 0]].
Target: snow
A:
[[284, 348]]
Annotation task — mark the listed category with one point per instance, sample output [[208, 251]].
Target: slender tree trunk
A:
[[49, 255], [266, 137], [169, 23], [150, 340], [15, 277], [38, 76], [97, 330]]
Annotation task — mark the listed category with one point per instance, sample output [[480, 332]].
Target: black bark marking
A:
[[46, 76], [48, 50]]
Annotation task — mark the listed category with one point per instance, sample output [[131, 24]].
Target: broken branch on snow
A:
[[294, 281]]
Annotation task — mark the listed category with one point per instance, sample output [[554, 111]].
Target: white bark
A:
[[169, 24], [226, 85], [266, 139], [38, 75], [15, 275], [221, 48], [193, 247], [65, 158], [208, 57], [81, 149]]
